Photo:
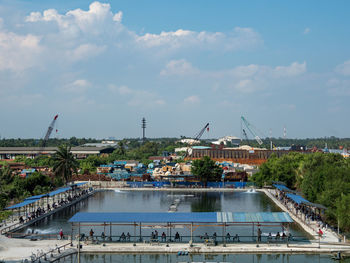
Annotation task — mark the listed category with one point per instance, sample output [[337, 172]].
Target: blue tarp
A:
[[24, 203], [298, 199], [36, 197], [198, 217], [281, 187], [80, 184], [60, 190]]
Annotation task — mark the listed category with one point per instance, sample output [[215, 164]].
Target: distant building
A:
[[79, 152], [102, 144], [228, 140], [189, 141]]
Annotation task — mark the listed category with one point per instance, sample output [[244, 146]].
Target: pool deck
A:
[[312, 248], [18, 249]]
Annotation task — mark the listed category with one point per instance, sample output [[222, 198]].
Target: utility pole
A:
[[143, 125]]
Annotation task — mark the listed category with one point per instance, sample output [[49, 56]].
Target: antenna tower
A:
[[284, 132], [143, 125]]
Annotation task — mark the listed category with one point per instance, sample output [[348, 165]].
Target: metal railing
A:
[[49, 255], [195, 239]]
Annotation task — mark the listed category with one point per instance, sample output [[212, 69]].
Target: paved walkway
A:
[[201, 248], [328, 235]]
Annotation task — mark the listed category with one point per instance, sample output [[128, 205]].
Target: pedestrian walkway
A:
[[310, 227]]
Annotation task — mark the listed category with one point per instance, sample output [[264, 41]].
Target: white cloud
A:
[[243, 79], [92, 21], [122, 90], [179, 67], [344, 68], [118, 17], [339, 87], [192, 99], [84, 51], [239, 38], [137, 97], [77, 86], [18, 52], [306, 31], [289, 71], [244, 85]]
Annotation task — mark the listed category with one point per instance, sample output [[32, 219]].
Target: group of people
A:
[[41, 210], [279, 236], [124, 237], [301, 210]]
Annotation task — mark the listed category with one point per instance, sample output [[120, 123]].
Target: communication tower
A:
[[143, 125]]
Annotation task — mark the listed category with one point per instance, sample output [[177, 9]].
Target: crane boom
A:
[[200, 133], [197, 137], [48, 133], [251, 129]]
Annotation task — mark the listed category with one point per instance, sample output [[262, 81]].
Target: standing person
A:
[[91, 234], [163, 237], [320, 232], [259, 235], [61, 234]]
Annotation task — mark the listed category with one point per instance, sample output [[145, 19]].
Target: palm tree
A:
[[64, 163]]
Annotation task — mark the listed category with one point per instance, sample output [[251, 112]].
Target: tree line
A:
[[320, 178], [16, 188], [331, 142]]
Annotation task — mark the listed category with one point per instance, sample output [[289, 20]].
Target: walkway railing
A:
[[182, 239], [7, 229], [50, 255], [195, 239]]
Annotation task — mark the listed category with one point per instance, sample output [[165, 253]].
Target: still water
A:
[[173, 258], [160, 201]]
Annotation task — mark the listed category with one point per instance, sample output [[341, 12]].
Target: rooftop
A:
[[197, 217]]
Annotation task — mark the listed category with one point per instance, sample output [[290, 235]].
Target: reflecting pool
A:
[[161, 201], [173, 258]]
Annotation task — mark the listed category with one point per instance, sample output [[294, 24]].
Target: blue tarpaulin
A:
[[282, 187], [60, 190], [80, 184], [32, 199], [298, 199], [24, 203], [198, 217], [36, 197]]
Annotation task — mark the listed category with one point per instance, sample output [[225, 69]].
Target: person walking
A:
[[61, 234]]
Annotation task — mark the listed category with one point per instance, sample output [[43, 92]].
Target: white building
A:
[[235, 141]]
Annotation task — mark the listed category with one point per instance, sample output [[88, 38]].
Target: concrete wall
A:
[[104, 184]]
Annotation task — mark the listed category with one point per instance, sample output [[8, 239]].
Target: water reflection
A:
[[159, 201], [206, 202], [173, 258]]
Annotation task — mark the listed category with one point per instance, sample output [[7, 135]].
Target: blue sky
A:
[[102, 66]]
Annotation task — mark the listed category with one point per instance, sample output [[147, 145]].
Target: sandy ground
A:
[[18, 249]]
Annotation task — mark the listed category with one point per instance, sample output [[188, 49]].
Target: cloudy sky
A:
[[102, 66]]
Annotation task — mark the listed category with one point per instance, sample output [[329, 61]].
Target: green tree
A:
[[64, 163], [343, 212], [206, 170]]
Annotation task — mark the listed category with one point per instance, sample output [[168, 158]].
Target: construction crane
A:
[[200, 133], [48, 133], [197, 137], [252, 130], [245, 135]]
